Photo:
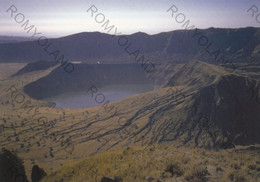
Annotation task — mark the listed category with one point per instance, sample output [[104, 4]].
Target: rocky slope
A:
[[199, 105]]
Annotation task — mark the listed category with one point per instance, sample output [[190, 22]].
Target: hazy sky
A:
[[55, 18]]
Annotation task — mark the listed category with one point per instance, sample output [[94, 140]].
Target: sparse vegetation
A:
[[158, 116], [162, 164]]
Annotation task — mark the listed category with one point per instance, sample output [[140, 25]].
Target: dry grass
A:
[[35, 142], [8, 69], [161, 163]]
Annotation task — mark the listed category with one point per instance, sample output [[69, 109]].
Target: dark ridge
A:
[[238, 45], [11, 167], [84, 77], [14, 39], [36, 66]]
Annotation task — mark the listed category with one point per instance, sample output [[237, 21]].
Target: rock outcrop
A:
[[11, 167]]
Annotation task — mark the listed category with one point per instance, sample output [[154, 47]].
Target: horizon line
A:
[[18, 36]]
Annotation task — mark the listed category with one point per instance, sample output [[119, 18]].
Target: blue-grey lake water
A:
[[112, 93]]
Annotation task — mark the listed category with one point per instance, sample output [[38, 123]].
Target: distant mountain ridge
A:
[[207, 45], [14, 39]]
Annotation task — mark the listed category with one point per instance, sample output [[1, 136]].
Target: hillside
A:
[[84, 76], [198, 105], [209, 45], [164, 164]]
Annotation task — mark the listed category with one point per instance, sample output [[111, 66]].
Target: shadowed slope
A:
[[211, 110], [238, 45]]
